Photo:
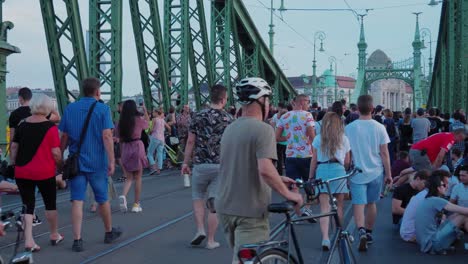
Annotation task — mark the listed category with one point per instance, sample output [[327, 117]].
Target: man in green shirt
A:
[[247, 173]]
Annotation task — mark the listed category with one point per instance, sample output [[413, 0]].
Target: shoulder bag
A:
[[71, 167]]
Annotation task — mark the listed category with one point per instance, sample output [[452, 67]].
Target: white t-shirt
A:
[[365, 138], [408, 222], [340, 152]]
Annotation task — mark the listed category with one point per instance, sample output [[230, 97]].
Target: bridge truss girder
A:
[[105, 47], [66, 49], [150, 52], [449, 84]]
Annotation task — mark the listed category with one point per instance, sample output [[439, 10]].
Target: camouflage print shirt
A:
[[208, 126]]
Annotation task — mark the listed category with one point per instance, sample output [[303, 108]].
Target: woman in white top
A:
[[331, 155]]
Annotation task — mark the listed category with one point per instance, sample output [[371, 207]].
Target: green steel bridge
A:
[[181, 53]]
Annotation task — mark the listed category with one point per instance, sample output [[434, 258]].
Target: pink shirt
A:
[[158, 129]]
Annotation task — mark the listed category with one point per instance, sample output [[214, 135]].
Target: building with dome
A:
[[326, 84], [390, 93]]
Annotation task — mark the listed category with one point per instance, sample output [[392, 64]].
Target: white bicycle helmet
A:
[[249, 90]]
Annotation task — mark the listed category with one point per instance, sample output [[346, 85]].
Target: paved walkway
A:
[[161, 234]]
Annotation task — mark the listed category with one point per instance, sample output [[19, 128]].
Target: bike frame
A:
[[287, 224]]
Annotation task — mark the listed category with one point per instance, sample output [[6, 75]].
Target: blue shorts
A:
[[298, 168], [329, 171], [366, 193], [98, 182], [445, 236]]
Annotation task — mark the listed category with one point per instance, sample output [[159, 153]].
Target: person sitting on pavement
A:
[[431, 236], [408, 221], [403, 194], [331, 156], [247, 173], [368, 139], [35, 153], [203, 143], [459, 193], [457, 160]]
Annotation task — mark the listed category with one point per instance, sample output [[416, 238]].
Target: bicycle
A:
[[12, 219], [279, 251]]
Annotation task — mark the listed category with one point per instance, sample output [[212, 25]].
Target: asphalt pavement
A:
[[162, 233]]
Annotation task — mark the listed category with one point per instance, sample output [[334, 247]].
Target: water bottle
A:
[[186, 180]]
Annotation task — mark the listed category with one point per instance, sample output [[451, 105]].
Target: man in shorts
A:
[[96, 159], [368, 139], [247, 174], [204, 138]]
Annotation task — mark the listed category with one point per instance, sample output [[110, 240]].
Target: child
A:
[[460, 191]]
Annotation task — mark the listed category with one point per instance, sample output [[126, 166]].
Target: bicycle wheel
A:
[[275, 256]]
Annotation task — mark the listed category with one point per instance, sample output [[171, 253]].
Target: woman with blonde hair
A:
[[330, 159]]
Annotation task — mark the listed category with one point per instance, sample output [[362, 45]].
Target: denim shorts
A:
[[329, 171], [298, 168], [98, 182], [366, 193], [445, 236]]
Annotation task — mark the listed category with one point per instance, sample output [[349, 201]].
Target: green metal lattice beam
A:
[[105, 47], [150, 52], [66, 49]]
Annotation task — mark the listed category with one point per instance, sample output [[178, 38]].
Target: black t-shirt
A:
[[436, 124], [29, 137], [378, 118], [19, 114], [404, 194], [445, 126]]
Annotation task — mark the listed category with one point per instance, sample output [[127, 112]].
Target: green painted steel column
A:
[[5, 50], [176, 41], [201, 65], [360, 87], [225, 48], [417, 93], [463, 34], [105, 48], [150, 52], [451, 60], [64, 34]]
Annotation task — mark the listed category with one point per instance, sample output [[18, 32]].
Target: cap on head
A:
[[251, 89]]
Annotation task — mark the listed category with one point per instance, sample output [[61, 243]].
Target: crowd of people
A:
[[236, 157]]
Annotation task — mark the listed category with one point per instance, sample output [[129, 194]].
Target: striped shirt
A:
[[93, 156]]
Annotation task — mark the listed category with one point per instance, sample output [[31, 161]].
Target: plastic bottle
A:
[[186, 180]]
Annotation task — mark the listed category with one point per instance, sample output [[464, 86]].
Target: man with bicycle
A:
[[247, 172], [368, 140]]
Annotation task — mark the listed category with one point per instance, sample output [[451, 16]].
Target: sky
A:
[[389, 26]]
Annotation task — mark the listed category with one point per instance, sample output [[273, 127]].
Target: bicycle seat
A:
[[280, 207]]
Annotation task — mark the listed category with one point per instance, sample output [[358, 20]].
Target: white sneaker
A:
[[123, 203], [136, 208]]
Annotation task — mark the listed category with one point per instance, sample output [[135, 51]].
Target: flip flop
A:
[[56, 241], [35, 248]]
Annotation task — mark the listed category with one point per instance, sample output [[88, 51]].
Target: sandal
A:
[[56, 241], [35, 248]]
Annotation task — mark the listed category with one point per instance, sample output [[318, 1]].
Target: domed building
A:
[[394, 94]]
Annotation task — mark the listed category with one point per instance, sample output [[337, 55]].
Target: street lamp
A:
[[332, 60], [425, 32], [319, 35]]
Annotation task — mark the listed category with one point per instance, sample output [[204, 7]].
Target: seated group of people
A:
[[430, 202]]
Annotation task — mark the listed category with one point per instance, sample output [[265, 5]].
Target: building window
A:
[[329, 97], [342, 94]]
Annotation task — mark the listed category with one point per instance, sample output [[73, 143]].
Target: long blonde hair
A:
[[331, 134]]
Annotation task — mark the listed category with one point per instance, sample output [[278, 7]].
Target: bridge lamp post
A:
[[425, 32], [332, 60], [319, 35], [271, 33]]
